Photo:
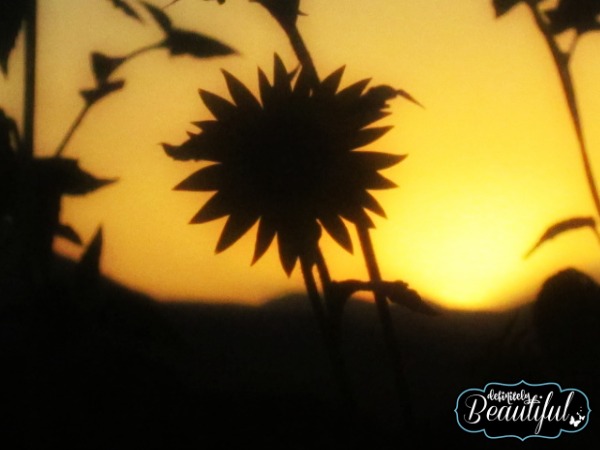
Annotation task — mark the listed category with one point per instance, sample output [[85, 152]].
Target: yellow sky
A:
[[492, 159]]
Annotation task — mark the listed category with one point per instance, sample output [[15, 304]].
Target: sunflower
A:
[[288, 161]]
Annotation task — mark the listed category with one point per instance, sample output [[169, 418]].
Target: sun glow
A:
[[492, 158]]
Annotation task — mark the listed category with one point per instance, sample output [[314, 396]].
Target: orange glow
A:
[[493, 158]]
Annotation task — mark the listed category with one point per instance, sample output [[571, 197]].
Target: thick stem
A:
[[30, 70], [561, 61], [387, 323], [332, 344], [302, 53]]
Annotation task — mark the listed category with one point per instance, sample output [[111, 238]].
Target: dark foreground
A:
[[98, 366]]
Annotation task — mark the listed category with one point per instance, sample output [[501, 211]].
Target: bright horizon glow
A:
[[493, 159]]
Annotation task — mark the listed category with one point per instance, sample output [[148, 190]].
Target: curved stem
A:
[[387, 323], [71, 131], [144, 49], [86, 108], [561, 61]]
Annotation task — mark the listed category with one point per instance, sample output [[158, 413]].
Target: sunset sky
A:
[[493, 159]]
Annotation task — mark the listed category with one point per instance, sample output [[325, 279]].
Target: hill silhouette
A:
[[106, 367]]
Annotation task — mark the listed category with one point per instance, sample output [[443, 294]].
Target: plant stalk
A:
[[30, 71], [332, 344], [561, 61], [387, 324], [71, 131]]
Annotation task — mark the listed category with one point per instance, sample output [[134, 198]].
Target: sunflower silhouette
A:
[[288, 161]]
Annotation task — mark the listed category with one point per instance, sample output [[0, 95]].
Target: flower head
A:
[[288, 161]]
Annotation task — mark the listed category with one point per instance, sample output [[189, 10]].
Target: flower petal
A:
[[236, 226], [368, 135], [288, 253], [337, 230], [265, 88], [376, 160], [206, 179], [377, 181], [264, 238], [216, 207], [332, 82], [303, 84], [352, 92], [218, 106], [358, 217], [281, 80], [241, 95], [369, 202]]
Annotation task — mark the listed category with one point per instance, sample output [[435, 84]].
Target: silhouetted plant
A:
[[289, 162], [581, 16], [31, 188]]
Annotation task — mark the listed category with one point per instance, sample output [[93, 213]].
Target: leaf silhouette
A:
[[12, 13], [503, 6], [582, 15], [181, 42], [89, 265], [160, 17], [397, 292], [67, 232], [65, 177], [103, 65], [91, 96], [284, 11], [126, 8], [563, 226]]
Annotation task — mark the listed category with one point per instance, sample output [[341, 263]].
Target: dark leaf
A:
[[160, 17], [581, 15], [12, 13], [65, 177], [400, 294], [103, 66], [218, 106], [503, 6], [264, 238], [197, 148], [561, 227], [68, 233], [126, 8], [180, 42], [367, 136], [207, 179], [89, 265], [91, 96], [240, 93], [216, 207], [284, 11], [9, 135], [337, 229], [236, 226]]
